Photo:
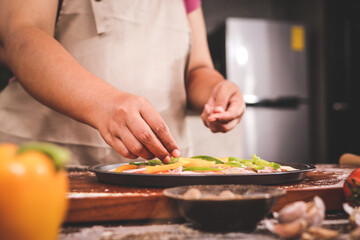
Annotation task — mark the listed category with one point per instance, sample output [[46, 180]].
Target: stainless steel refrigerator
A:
[[267, 60]]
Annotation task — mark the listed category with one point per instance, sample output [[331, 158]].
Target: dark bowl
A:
[[223, 215]]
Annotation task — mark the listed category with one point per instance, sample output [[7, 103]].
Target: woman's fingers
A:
[[119, 146], [165, 146], [134, 128], [223, 127], [234, 111], [144, 135], [133, 144], [227, 107], [225, 121], [222, 94]]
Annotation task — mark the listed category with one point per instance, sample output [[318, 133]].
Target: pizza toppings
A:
[[203, 164]]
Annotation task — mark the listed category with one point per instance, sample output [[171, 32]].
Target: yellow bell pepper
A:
[[223, 159], [194, 162], [160, 168], [33, 186]]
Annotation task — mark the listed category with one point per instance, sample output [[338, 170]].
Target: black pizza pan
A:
[[104, 175]]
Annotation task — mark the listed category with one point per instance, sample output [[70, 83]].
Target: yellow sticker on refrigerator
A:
[[297, 38]]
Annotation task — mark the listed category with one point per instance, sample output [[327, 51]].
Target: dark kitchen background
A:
[[333, 64], [333, 52]]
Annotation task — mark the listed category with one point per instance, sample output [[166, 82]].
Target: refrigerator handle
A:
[[281, 102]]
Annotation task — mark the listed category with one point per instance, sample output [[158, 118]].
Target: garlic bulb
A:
[[295, 218]]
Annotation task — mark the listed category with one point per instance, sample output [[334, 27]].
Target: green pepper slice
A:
[[262, 162], [247, 162], [202, 169], [275, 165], [257, 167], [173, 160], [154, 162], [235, 164]]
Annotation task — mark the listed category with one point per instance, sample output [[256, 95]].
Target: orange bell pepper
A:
[[33, 186], [125, 167]]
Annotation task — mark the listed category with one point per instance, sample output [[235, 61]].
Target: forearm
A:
[[52, 76], [127, 122], [200, 84]]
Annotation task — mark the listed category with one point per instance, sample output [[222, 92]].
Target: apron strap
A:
[[58, 10]]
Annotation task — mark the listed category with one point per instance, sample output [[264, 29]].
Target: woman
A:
[[110, 77]]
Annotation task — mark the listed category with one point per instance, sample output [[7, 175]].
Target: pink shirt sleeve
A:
[[191, 5]]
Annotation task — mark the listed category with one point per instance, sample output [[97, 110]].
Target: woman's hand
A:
[[224, 109], [127, 122], [135, 129], [221, 101]]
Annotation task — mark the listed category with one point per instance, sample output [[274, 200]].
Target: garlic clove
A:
[[320, 205], [192, 193], [322, 233], [315, 212], [227, 195], [286, 230], [348, 208], [291, 212], [307, 236]]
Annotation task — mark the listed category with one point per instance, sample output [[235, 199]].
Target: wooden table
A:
[[91, 201]]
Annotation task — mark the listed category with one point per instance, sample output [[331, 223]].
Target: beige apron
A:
[[139, 46]]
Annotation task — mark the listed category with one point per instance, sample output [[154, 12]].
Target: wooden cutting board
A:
[[91, 201]]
